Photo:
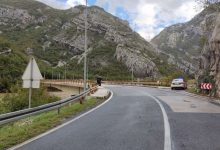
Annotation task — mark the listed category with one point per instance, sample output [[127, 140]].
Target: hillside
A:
[[182, 43], [56, 38]]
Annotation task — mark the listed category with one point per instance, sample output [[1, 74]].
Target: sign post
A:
[[31, 77], [31, 82]]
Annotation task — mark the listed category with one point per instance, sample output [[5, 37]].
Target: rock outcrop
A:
[[210, 59], [11, 16], [183, 43], [105, 27]]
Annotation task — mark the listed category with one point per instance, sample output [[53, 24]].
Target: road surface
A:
[[133, 120]]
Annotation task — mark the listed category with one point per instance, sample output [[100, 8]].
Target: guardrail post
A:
[[58, 110], [81, 100]]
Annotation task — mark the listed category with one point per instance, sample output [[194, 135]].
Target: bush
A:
[[18, 99], [206, 78]]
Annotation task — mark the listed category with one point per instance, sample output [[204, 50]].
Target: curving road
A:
[[133, 120]]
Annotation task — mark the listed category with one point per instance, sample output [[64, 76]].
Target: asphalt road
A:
[[133, 120]]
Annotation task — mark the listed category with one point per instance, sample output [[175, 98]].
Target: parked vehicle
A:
[[178, 84]]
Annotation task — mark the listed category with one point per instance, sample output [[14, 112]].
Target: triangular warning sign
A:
[[32, 72]]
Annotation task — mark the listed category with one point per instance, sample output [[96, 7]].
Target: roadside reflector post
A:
[[58, 110], [81, 100]]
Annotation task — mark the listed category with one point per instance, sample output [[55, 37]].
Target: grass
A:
[[20, 131], [1, 96]]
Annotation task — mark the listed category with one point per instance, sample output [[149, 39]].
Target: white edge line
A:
[[167, 136], [58, 127]]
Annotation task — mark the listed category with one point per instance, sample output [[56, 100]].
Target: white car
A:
[[178, 84]]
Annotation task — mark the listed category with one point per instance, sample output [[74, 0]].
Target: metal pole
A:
[[132, 72], [85, 53], [31, 80], [52, 73], [65, 74], [87, 70]]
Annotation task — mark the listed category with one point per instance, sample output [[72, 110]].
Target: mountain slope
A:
[[209, 63], [183, 43], [56, 38]]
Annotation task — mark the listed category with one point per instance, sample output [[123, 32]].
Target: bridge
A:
[[67, 87]]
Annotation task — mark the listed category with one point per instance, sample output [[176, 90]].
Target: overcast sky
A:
[[147, 17]]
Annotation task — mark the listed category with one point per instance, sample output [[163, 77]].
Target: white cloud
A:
[[145, 14], [187, 11], [149, 17], [72, 3], [54, 3], [146, 32], [62, 5]]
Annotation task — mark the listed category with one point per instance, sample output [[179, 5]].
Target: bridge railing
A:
[[141, 83], [77, 83], [17, 115]]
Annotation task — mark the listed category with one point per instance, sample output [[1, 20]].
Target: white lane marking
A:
[[167, 136], [61, 126]]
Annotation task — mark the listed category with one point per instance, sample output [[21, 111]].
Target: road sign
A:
[[206, 86], [32, 76]]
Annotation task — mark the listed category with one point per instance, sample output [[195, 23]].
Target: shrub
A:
[[18, 99]]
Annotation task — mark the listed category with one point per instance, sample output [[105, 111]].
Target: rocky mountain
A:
[[56, 38], [182, 43], [209, 64], [194, 46]]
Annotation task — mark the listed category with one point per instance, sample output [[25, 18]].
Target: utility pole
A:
[[85, 53], [52, 73], [132, 72], [65, 73], [87, 69]]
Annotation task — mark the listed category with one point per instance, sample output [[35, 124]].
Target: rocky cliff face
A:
[[14, 17], [61, 34], [210, 59], [183, 43]]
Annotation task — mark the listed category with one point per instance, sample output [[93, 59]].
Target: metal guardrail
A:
[[17, 115]]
